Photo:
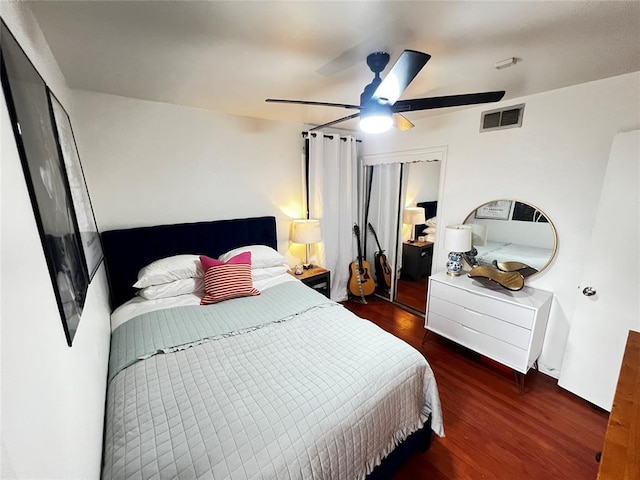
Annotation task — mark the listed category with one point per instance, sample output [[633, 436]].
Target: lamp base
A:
[[454, 264], [307, 265]]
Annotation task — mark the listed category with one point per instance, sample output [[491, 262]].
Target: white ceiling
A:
[[229, 56]]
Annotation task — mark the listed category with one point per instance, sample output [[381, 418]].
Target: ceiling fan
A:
[[379, 106]]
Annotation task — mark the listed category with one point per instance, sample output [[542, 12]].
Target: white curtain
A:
[[383, 212], [333, 198]]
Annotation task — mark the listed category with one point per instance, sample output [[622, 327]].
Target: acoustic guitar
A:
[[383, 270], [361, 283]]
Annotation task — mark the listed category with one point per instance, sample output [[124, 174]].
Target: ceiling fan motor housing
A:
[[377, 62]]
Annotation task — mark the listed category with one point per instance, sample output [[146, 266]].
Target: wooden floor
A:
[[412, 293], [491, 431]]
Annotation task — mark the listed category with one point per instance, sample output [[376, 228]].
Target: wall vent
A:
[[501, 118]]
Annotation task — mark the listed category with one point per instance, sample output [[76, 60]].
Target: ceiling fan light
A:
[[376, 119], [376, 123]]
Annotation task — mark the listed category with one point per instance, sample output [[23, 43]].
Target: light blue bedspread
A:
[[163, 331], [324, 394]]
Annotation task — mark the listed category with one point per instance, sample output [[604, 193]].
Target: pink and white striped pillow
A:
[[226, 280]]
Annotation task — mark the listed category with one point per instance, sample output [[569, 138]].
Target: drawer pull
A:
[[473, 311], [469, 329]]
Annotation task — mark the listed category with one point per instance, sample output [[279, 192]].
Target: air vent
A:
[[507, 117]]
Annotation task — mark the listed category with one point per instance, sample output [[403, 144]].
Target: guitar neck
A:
[[376, 237], [359, 252], [356, 231]]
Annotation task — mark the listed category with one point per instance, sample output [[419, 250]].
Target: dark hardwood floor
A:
[[412, 293], [492, 432]]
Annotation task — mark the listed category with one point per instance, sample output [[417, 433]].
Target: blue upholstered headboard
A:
[[430, 211], [127, 251]]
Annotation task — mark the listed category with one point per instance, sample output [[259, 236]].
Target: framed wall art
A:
[[68, 151], [46, 179], [496, 210], [528, 213]]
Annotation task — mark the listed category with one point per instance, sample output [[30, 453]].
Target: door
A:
[[383, 218], [420, 187], [607, 306], [390, 194]]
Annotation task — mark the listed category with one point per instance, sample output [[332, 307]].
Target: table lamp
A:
[[457, 239], [413, 216], [307, 232]]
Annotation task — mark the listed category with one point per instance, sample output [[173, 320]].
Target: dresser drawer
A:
[[480, 322], [486, 345], [515, 314]]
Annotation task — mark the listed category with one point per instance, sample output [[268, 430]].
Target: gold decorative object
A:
[[513, 281], [522, 268]]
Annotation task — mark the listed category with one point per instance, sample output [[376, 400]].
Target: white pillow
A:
[[258, 274], [168, 269], [429, 230], [262, 256], [173, 289]]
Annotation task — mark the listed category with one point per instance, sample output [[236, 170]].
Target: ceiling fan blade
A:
[[322, 104], [400, 76], [446, 101], [401, 122], [340, 120]]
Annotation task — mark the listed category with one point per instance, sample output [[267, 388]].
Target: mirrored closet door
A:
[[401, 232], [383, 224], [419, 191]]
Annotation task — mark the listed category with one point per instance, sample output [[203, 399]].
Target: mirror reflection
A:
[[402, 206], [419, 191], [382, 220], [509, 230]]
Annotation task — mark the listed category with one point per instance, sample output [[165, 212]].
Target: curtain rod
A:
[[305, 134]]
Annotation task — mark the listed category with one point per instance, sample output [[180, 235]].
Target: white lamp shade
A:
[[413, 216], [457, 238], [478, 234], [306, 231]]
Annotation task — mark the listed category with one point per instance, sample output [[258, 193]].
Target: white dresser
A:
[[505, 326]]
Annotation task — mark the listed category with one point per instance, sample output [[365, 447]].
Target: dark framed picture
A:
[[46, 179], [68, 150], [527, 213]]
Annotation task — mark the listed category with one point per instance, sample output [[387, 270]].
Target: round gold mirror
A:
[[513, 234]]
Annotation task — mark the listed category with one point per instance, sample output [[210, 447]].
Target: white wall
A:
[[556, 161], [150, 163], [422, 182], [51, 396]]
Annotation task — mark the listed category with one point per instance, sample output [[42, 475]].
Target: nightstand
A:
[[317, 278], [416, 260]]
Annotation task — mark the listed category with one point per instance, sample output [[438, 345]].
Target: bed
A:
[[282, 383], [430, 211], [535, 257]]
